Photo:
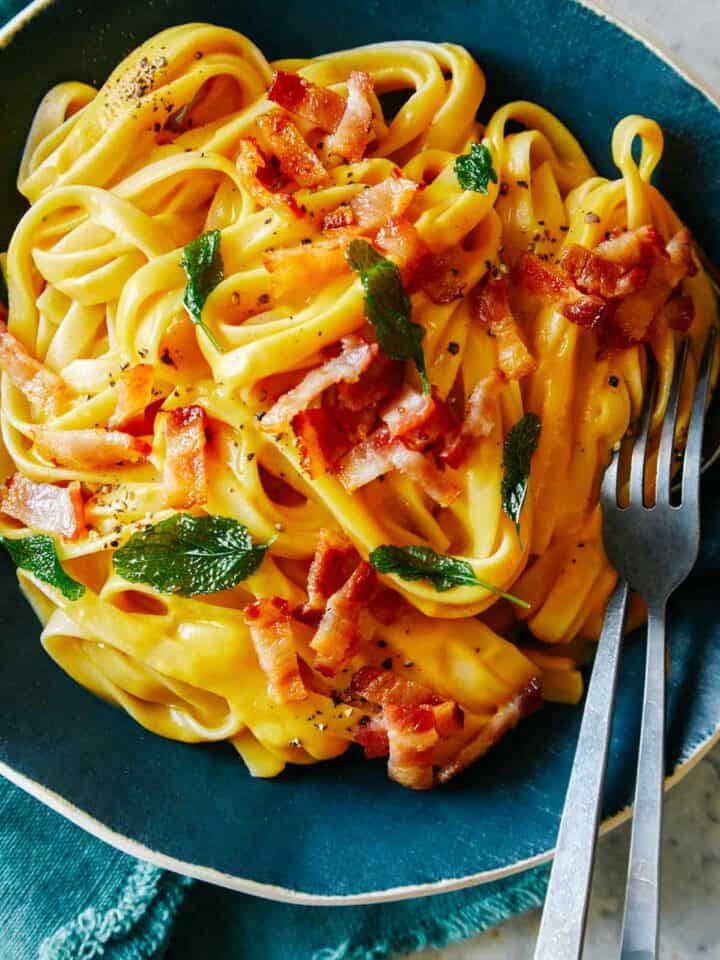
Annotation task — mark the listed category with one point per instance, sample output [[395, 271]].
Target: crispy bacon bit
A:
[[272, 636], [39, 384], [592, 273], [92, 448], [134, 395], [44, 506], [421, 421], [440, 280], [412, 739], [382, 378], [670, 266], [388, 606], [679, 249], [415, 719], [507, 717], [373, 737], [320, 442], [386, 200], [321, 106], [400, 241], [479, 420], [184, 473], [493, 309], [368, 460], [409, 411], [339, 632], [306, 263], [620, 287], [297, 161], [340, 218], [333, 562], [349, 365], [380, 454], [250, 162], [585, 310], [353, 132]]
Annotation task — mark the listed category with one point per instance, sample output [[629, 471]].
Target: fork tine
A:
[[639, 451], [693, 448], [667, 436]]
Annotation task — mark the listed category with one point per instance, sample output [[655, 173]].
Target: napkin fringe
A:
[[437, 931], [146, 906]]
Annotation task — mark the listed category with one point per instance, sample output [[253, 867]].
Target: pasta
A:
[[283, 344]]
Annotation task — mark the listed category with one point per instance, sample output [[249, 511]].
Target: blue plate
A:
[[341, 830]]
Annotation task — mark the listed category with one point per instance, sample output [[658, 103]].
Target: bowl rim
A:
[[281, 894]]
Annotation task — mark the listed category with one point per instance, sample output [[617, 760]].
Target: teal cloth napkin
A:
[[66, 896]]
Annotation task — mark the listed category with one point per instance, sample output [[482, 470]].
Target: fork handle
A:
[[562, 929], [642, 896]]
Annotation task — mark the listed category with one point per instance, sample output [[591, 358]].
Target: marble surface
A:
[[690, 924]]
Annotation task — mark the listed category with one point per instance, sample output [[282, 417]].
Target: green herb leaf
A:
[[190, 555], [520, 444], [38, 555], [422, 563], [387, 306], [475, 170], [203, 266]]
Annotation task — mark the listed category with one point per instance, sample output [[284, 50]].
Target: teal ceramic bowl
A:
[[341, 832]]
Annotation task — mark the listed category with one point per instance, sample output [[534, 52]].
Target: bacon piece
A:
[[332, 564], [338, 634], [297, 161], [272, 636], [382, 378], [184, 471], [493, 309], [39, 384], [307, 263], [353, 132], [415, 718], [385, 201], [441, 281], [421, 421], [90, 448], [412, 739], [340, 218], [637, 311], [134, 395], [349, 365], [479, 420], [372, 735], [250, 163], [507, 717], [321, 106], [679, 249], [399, 239], [44, 506], [380, 454], [388, 606], [408, 411], [592, 273], [320, 442], [630, 247], [586, 310]]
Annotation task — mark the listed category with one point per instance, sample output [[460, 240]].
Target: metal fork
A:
[[653, 548]]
